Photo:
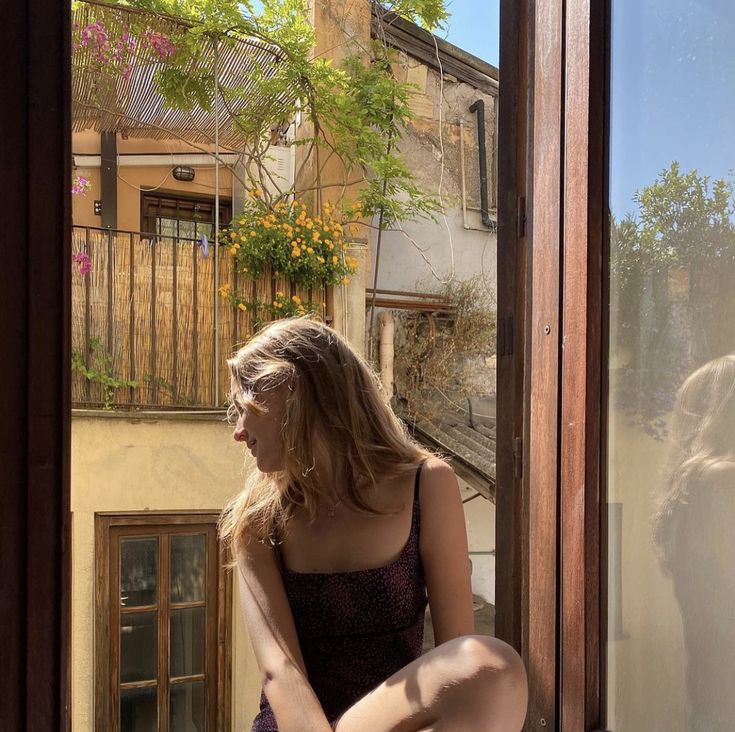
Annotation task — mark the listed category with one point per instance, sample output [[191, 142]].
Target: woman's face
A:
[[261, 432]]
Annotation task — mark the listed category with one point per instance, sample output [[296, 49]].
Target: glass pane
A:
[[206, 229], [138, 571], [138, 710], [187, 229], [671, 451], [168, 227], [188, 567], [187, 641], [187, 707], [138, 646]]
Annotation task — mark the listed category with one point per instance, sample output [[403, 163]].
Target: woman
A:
[[332, 590]]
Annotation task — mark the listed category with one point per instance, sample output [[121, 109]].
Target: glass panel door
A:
[[671, 401]]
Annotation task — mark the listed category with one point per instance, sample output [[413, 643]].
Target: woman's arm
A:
[[443, 543], [273, 636]]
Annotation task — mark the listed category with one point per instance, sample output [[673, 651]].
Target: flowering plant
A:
[[108, 50], [83, 262], [80, 185], [281, 307], [309, 250]]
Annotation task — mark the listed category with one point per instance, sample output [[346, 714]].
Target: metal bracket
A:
[[518, 457], [505, 336], [521, 216]]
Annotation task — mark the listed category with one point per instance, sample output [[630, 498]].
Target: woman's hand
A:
[[273, 636]]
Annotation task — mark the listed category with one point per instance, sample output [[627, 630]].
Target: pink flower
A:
[[160, 43], [83, 261], [80, 185]]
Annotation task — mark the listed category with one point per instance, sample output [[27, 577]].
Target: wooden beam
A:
[[108, 179]]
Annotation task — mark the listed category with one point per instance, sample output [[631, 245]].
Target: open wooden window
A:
[[163, 602]]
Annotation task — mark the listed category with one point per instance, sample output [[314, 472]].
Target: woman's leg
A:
[[470, 684]]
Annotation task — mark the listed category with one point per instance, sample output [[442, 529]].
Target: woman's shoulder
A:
[[714, 491], [438, 482], [721, 469], [436, 468]]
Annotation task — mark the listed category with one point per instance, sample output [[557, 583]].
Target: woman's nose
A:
[[240, 434]]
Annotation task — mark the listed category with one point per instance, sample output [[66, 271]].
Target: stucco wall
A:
[[480, 522], [132, 179], [124, 464], [180, 462], [430, 251]]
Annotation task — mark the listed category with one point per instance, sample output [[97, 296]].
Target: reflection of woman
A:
[[333, 591], [695, 533]]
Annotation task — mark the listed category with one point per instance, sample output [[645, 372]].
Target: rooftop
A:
[[466, 436]]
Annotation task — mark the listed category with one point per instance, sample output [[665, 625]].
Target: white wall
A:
[[480, 521]]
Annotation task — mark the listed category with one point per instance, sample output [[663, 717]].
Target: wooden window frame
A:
[[553, 142], [108, 528], [35, 383]]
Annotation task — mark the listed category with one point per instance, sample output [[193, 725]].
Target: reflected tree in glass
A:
[[673, 263]]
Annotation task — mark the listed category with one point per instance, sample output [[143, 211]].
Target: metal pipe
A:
[[370, 347], [478, 107], [419, 305], [461, 168], [407, 293], [216, 395], [387, 330]]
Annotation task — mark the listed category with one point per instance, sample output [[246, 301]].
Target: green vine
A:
[[100, 371]]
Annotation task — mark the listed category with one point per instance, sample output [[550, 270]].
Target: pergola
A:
[[130, 103]]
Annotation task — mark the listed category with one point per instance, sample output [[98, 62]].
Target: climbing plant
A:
[[354, 109]]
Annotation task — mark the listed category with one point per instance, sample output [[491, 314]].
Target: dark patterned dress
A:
[[357, 628]]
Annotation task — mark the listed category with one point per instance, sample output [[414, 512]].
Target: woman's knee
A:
[[488, 686], [481, 656]]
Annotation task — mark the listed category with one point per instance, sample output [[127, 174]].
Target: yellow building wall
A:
[[130, 180], [123, 463]]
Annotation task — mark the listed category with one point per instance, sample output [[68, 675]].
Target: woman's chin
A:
[[268, 466]]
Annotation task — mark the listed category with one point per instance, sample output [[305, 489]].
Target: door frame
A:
[[35, 162], [551, 357]]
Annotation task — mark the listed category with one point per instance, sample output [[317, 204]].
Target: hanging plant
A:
[[308, 250]]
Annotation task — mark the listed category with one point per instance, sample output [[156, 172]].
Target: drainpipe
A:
[[387, 329], [479, 107]]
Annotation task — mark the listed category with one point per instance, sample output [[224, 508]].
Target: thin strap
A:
[[417, 482]]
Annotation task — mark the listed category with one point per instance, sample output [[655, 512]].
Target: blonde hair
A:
[[702, 436], [336, 415]]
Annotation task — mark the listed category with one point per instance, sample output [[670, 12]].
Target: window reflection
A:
[[694, 535], [671, 409]]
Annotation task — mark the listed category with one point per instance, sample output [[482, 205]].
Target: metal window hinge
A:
[[505, 336], [521, 216], [518, 457]]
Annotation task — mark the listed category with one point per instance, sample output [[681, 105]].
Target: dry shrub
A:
[[449, 355]]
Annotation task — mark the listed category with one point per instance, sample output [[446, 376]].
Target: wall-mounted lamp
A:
[[184, 172]]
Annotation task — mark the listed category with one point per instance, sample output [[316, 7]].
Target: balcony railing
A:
[[145, 329]]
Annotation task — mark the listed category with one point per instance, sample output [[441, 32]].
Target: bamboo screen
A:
[[145, 314]]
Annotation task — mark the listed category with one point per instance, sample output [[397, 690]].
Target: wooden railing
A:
[[144, 332]]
